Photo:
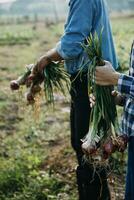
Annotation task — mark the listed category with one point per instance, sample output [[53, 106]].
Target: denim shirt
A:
[[85, 17]]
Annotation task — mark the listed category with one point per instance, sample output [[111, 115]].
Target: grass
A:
[[41, 149], [123, 31]]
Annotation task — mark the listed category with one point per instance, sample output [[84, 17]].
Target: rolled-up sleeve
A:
[[126, 85], [78, 27]]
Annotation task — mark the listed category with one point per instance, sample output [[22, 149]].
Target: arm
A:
[[78, 27], [46, 59]]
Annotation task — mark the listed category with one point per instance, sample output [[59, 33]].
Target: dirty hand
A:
[[41, 64]]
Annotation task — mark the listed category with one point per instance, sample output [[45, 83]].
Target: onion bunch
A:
[[103, 138], [53, 77]]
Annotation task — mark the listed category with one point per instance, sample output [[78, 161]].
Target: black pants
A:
[[90, 186]]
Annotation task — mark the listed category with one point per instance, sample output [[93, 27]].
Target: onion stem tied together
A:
[[103, 137]]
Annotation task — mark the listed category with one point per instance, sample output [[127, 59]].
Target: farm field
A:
[[36, 158]]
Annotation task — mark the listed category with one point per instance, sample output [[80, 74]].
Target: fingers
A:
[[92, 100], [104, 75], [101, 79], [41, 64], [92, 97], [107, 63], [100, 69], [114, 93], [108, 66]]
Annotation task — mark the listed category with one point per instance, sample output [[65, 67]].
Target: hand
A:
[[119, 99], [92, 100], [106, 75], [51, 55], [117, 96], [41, 64]]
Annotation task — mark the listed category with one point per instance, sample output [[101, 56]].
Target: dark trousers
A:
[[91, 185], [130, 171]]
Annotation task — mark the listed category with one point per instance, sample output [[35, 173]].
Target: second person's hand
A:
[[119, 99], [106, 75], [92, 100]]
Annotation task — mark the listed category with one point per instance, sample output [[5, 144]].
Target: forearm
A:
[[53, 55], [45, 60], [106, 75]]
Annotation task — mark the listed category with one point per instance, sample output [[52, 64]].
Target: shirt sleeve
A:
[[126, 85], [77, 28]]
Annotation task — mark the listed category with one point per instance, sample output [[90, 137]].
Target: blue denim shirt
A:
[[85, 17]]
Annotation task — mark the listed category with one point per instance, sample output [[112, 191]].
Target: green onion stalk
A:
[[53, 78], [103, 136]]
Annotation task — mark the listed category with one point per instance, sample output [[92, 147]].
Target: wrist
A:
[[47, 59]]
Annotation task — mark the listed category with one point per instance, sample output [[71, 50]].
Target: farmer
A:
[[85, 17], [108, 76]]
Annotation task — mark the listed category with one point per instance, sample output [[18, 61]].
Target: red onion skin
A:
[[14, 85], [109, 147], [30, 98], [105, 156], [90, 150], [36, 89]]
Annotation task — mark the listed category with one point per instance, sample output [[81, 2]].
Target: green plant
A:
[[54, 77], [104, 129]]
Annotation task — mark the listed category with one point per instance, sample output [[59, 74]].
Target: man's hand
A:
[[106, 75], [45, 60], [41, 64]]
